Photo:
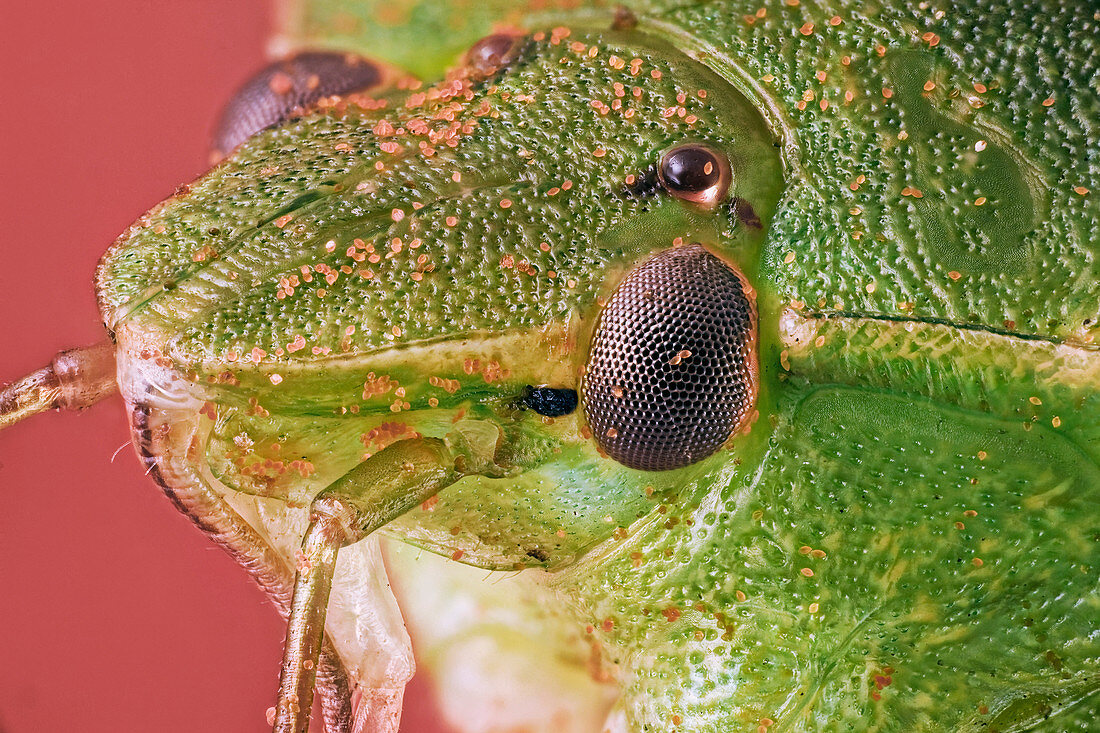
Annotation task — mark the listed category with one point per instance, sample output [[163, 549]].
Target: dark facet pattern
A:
[[280, 89], [672, 369]]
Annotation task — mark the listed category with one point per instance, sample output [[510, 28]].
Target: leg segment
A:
[[162, 446], [369, 496], [306, 625]]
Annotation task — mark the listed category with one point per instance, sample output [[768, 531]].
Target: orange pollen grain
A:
[[280, 84]]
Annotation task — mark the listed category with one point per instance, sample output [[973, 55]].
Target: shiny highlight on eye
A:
[[696, 173]]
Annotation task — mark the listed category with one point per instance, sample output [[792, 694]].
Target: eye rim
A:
[[550, 401], [714, 192]]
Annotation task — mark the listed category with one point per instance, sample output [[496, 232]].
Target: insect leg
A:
[[74, 379], [383, 487], [163, 443], [306, 624]]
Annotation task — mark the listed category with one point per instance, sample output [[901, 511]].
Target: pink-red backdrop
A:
[[115, 613]]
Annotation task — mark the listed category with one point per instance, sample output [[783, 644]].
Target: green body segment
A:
[[906, 538], [955, 139], [888, 564]]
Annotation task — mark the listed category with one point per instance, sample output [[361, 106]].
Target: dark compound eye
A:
[[695, 173], [671, 372], [277, 91], [550, 401]]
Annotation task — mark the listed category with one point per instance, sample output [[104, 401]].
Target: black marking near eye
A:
[[695, 173], [537, 553], [550, 401], [646, 183], [280, 89], [671, 372], [745, 214]]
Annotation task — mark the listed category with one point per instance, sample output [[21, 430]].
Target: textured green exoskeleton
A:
[[905, 534]]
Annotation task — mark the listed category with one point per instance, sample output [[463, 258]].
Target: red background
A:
[[115, 613]]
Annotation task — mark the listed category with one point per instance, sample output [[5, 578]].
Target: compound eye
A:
[[671, 372], [695, 173], [280, 89]]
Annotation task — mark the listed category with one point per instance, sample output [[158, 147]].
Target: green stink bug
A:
[[904, 483]]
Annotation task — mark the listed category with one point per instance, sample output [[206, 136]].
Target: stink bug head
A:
[[411, 264]]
